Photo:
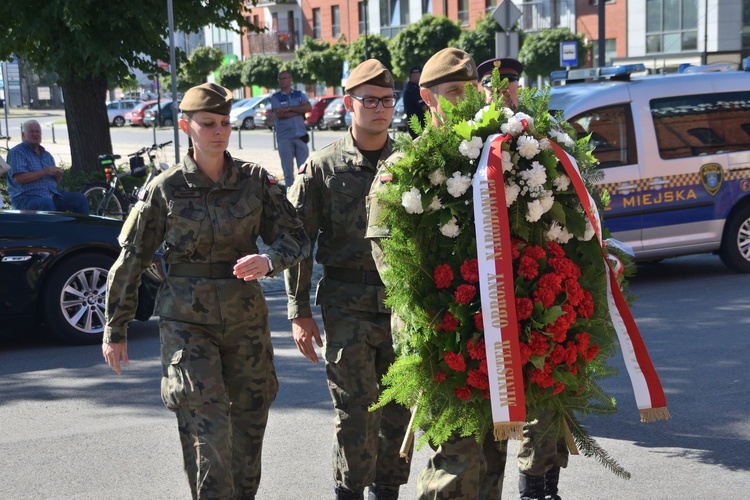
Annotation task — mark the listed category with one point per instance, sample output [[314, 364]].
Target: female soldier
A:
[[218, 374]]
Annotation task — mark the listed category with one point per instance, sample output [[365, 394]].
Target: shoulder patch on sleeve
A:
[[271, 179], [302, 169]]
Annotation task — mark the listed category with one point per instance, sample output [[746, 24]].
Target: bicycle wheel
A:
[[105, 201]]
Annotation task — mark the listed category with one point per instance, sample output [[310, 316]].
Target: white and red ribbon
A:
[[649, 395], [496, 288]]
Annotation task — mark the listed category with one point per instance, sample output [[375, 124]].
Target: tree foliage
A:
[[541, 53], [90, 43], [262, 71], [419, 41], [322, 61], [202, 61], [480, 42], [230, 75], [377, 48]]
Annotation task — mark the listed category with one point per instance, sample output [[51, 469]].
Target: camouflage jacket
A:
[[329, 195], [375, 228], [203, 222]]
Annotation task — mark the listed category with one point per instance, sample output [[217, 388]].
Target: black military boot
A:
[[551, 477], [530, 487], [344, 494], [381, 493]]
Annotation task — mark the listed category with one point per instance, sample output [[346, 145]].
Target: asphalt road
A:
[[72, 429]]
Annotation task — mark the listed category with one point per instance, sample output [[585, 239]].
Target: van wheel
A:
[[735, 246]]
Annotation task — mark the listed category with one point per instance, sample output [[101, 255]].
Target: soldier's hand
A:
[[303, 331], [251, 267], [113, 353]]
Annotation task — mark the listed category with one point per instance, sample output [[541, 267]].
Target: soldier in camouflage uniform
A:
[[329, 194], [218, 374]]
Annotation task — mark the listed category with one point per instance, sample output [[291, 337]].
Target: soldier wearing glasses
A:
[[329, 194]]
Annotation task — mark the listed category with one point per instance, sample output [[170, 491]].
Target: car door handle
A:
[[627, 187], [16, 258], [658, 182]]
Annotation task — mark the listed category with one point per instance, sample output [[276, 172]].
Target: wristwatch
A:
[[270, 262]]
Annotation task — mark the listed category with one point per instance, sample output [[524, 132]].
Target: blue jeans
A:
[[66, 201], [289, 150]]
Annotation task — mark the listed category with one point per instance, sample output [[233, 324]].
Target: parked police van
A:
[[675, 150]]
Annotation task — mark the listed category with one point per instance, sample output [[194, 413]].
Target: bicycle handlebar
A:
[[148, 149]]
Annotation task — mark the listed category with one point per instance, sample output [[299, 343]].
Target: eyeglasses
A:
[[372, 102], [487, 81]]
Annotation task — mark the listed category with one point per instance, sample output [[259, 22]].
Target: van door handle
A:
[[658, 181], [627, 187]]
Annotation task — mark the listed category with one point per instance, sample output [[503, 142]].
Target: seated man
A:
[[34, 177]]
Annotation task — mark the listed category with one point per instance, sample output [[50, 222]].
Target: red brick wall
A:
[[615, 23]]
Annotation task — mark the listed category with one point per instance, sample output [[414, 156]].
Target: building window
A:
[[671, 25], [490, 6], [426, 7], [463, 12], [335, 21], [394, 16], [316, 29], [745, 27], [362, 18], [222, 40]]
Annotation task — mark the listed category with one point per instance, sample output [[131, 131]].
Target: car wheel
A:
[[248, 124], [321, 124], [168, 122], [104, 203], [735, 245], [119, 121], [73, 298]]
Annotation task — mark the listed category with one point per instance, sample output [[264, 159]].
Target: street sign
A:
[[568, 54], [506, 45], [344, 73], [506, 14]]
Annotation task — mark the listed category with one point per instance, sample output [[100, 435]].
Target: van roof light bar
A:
[[621, 72]]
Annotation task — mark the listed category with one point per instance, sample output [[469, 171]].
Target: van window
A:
[[704, 124], [612, 136]]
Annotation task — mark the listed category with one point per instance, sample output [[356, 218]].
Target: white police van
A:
[[675, 150]]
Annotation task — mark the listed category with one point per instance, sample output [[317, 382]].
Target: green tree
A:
[[541, 53], [90, 43], [202, 61], [262, 71], [419, 41], [299, 72], [230, 75], [377, 48], [480, 42], [322, 61]]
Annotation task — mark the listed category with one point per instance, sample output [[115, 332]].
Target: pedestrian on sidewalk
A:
[[290, 107]]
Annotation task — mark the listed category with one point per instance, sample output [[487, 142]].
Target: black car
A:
[[164, 114], [53, 272]]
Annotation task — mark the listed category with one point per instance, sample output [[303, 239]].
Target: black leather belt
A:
[[352, 276], [217, 270]]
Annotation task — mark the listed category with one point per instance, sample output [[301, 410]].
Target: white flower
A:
[[435, 204], [558, 233], [535, 211], [512, 126], [507, 161], [544, 144], [511, 193], [480, 114], [507, 112], [527, 146], [523, 117], [437, 177], [536, 176], [547, 200], [589, 233], [562, 137], [412, 201], [561, 182], [451, 229], [458, 184], [471, 149]]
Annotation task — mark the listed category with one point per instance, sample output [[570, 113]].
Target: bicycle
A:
[[110, 199], [4, 169]]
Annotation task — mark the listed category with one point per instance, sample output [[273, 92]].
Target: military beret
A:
[[508, 67], [207, 97], [371, 72], [448, 65]]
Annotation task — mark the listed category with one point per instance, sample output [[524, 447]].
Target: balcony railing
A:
[[545, 14], [273, 43]]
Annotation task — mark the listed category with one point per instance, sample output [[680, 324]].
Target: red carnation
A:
[[443, 276], [557, 356], [524, 308], [455, 361], [525, 353], [449, 324], [565, 266], [559, 329], [528, 268], [543, 378], [574, 291], [476, 378], [586, 307], [476, 349], [591, 353], [439, 376], [470, 271], [555, 249], [464, 294], [558, 388], [535, 252], [538, 343], [583, 340], [483, 366], [479, 321], [462, 393]]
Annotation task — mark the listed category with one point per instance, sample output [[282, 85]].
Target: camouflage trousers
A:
[[463, 468], [220, 381], [358, 351]]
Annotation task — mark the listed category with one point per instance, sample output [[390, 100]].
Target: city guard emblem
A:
[[712, 175]]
